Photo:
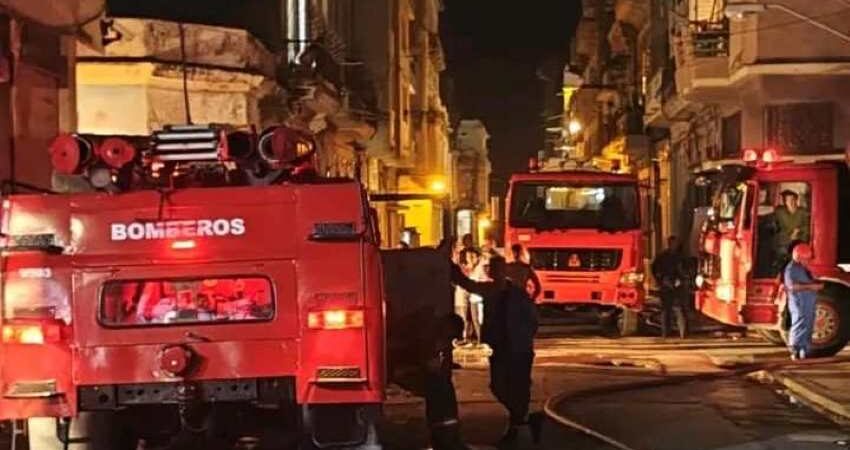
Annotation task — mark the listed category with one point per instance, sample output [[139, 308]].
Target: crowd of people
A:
[[494, 303]]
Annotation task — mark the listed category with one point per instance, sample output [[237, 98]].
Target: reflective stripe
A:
[[445, 423]]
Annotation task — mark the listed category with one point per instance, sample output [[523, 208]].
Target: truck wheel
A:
[[775, 337], [832, 325], [100, 430], [327, 418], [628, 322]]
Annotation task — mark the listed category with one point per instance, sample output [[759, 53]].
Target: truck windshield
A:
[[201, 300], [554, 205], [730, 201]]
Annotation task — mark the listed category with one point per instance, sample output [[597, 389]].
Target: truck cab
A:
[[745, 245], [582, 231]]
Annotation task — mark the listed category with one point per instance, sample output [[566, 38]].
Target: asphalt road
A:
[[574, 357], [734, 413]]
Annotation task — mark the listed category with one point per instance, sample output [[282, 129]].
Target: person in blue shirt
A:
[[802, 292]]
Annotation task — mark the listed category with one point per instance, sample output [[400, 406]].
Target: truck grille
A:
[[575, 259]]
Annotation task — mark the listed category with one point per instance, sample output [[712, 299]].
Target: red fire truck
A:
[[208, 290], [744, 246], [582, 232]]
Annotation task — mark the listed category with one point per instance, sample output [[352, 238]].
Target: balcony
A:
[[702, 62], [632, 12]]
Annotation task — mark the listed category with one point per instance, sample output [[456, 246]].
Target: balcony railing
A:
[[710, 39]]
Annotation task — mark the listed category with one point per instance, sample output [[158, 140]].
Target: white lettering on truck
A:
[[174, 229]]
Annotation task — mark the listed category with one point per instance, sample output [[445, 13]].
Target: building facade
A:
[[471, 178], [398, 43], [37, 89], [363, 78]]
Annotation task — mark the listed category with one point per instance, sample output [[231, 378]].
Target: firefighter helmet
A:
[[802, 252]]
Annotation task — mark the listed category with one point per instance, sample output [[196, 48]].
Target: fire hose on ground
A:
[[551, 403]]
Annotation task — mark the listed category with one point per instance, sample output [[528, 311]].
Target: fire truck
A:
[[201, 288], [744, 248], [582, 230]]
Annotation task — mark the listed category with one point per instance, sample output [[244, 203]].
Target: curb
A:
[[813, 397]]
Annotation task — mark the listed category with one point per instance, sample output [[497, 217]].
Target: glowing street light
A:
[[438, 185], [574, 127]]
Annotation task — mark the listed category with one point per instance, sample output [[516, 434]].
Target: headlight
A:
[[632, 278]]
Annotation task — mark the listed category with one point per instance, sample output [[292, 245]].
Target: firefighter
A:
[[669, 272], [793, 223], [510, 324], [441, 409], [521, 273], [802, 298]]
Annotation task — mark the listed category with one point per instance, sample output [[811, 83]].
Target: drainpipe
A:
[[297, 28]]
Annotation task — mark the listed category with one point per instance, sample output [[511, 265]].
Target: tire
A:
[[628, 322], [101, 430], [368, 417], [832, 324], [775, 337]]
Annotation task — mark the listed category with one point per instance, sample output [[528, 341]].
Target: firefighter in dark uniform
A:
[[441, 409], [440, 399], [510, 324], [669, 271]]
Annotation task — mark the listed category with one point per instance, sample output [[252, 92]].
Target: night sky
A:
[[496, 51]]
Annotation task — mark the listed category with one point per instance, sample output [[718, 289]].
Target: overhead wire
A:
[[788, 23], [792, 22]]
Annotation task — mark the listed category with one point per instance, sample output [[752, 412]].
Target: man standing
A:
[[793, 223], [668, 270], [802, 297], [510, 324], [521, 274]]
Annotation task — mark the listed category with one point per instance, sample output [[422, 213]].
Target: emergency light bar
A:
[[767, 156], [184, 143]]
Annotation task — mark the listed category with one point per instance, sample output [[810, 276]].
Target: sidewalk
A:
[[825, 388]]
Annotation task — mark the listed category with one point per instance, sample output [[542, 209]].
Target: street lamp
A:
[[574, 127], [437, 186], [739, 10]]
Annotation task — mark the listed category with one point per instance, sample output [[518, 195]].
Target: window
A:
[[555, 205], [731, 136], [730, 202], [784, 217], [800, 128], [183, 301]]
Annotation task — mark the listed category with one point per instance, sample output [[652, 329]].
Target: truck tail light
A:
[[335, 319], [32, 333]]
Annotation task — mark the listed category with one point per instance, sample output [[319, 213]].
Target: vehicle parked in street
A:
[[745, 246], [208, 290], [582, 231]]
